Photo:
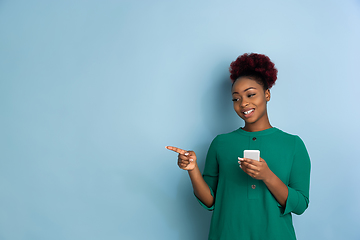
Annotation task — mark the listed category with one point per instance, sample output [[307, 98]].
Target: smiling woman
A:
[[252, 199], [250, 101]]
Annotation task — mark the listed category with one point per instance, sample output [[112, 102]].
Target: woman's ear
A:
[[267, 95]]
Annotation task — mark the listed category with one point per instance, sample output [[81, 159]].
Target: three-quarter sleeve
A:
[[211, 171], [299, 181]]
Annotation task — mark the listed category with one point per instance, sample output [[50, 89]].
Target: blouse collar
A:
[[258, 133]]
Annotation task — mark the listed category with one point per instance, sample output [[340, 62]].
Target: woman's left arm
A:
[[260, 171], [293, 197]]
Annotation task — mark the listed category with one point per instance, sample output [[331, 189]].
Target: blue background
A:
[[92, 91]]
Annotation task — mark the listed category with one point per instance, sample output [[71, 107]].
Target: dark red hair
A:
[[254, 65]]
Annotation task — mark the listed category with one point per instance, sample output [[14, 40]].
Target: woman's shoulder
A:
[[229, 135], [288, 135], [291, 139], [225, 138]]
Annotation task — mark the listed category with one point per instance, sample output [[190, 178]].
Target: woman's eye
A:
[[235, 100], [250, 95]]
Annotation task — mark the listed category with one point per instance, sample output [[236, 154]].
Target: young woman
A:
[[251, 199]]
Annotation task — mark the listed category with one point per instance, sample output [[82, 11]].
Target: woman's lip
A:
[[250, 114]]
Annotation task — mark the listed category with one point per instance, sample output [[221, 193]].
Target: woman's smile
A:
[[248, 112]]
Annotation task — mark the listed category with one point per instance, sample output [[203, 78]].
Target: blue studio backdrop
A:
[[92, 91]]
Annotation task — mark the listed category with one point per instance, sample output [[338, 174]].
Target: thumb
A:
[[190, 153]]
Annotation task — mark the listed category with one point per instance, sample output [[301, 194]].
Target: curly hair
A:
[[254, 65]]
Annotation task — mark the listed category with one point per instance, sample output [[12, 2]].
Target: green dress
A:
[[244, 208]]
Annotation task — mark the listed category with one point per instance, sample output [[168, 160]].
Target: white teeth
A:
[[251, 110]]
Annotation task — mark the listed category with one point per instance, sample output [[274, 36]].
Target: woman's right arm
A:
[[187, 161], [201, 189]]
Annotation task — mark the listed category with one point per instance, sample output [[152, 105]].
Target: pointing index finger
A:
[[175, 149]]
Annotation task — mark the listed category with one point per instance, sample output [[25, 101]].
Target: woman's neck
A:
[[257, 126]]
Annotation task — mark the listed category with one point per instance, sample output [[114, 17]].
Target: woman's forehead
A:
[[245, 83]]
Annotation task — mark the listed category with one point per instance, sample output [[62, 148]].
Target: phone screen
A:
[[252, 154]]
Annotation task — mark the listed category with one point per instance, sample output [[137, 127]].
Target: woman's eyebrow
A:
[[249, 88], [245, 90]]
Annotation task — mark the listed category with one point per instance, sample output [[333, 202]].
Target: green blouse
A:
[[244, 208]]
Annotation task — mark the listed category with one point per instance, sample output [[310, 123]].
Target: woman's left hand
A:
[[255, 169]]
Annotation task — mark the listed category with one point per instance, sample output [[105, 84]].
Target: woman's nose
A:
[[244, 103]]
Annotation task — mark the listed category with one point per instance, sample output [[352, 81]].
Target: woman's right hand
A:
[[186, 159]]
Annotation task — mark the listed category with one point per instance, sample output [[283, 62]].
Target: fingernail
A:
[[186, 154], [241, 159], [191, 160]]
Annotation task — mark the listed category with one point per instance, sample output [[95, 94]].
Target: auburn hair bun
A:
[[253, 64]]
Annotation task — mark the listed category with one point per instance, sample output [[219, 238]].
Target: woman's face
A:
[[250, 100]]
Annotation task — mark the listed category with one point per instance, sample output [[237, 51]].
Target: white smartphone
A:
[[252, 154]]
